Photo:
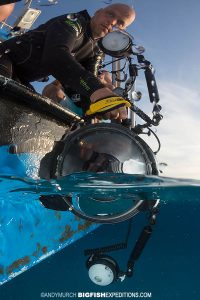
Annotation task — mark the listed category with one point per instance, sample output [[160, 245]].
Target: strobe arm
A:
[[140, 244], [150, 79], [143, 116], [152, 89], [151, 85]]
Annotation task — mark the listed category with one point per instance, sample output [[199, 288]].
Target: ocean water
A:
[[169, 265]]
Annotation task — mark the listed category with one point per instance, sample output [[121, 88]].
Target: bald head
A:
[[125, 9], [117, 15]]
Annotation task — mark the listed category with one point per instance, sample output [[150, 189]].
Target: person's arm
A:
[[58, 61], [5, 11], [6, 8]]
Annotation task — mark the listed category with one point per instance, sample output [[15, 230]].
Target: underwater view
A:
[[167, 269]]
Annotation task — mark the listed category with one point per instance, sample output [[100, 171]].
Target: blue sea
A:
[[168, 267]]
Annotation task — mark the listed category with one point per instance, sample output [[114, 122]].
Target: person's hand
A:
[[106, 79], [115, 113], [54, 92]]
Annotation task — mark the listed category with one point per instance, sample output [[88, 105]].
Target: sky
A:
[[169, 31]]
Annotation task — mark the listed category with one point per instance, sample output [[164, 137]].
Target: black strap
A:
[[113, 247]]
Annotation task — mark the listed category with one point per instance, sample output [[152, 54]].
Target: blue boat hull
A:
[[29, 232]]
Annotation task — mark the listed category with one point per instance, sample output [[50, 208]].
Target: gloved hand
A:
[[108, 104]]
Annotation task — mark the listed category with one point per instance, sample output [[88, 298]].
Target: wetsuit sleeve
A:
[[58, 60], [94, 63]]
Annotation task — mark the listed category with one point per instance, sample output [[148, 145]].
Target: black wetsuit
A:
[[62, 47], [3, 2]]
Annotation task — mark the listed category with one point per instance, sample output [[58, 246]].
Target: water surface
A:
[[169, 265]]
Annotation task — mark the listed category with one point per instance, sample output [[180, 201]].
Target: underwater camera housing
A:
[[105, 148], [99, 148]]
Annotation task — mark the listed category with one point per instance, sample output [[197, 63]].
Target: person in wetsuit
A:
[[61, 47]]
